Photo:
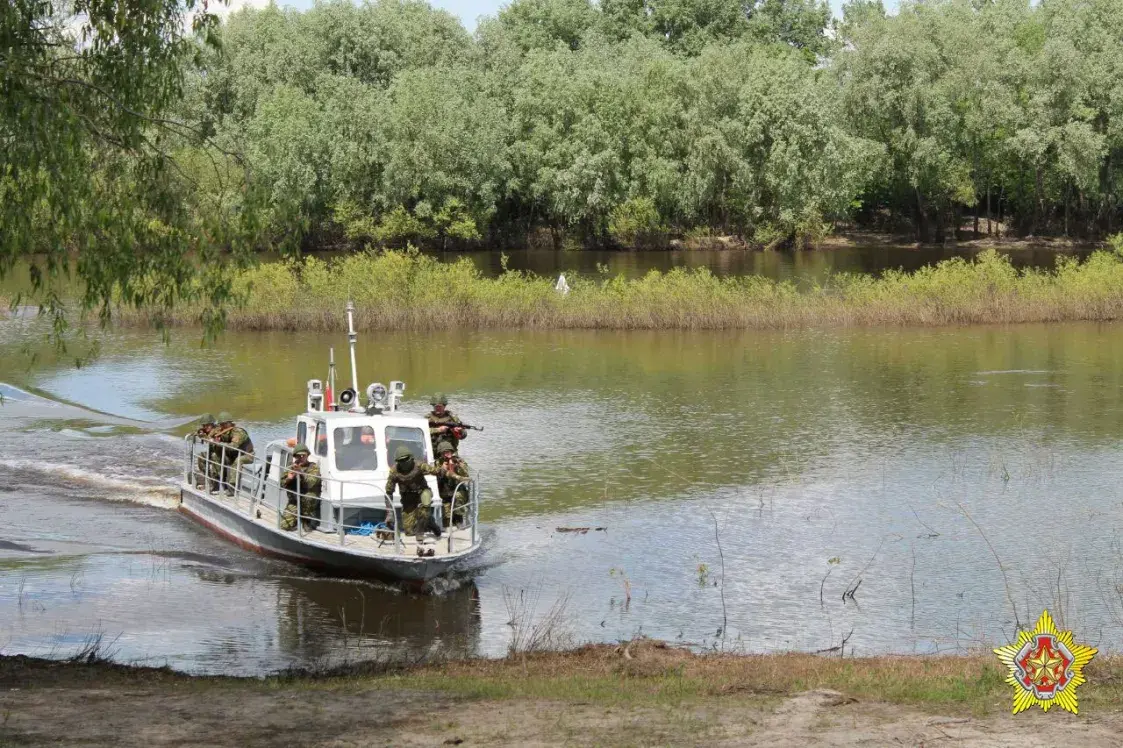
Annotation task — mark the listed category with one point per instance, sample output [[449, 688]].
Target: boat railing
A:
[[210, 463], [472, 489]]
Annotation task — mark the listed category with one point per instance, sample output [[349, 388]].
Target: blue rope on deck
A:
[[367, 528]]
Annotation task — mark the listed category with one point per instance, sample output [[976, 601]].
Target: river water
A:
[[958, 480]]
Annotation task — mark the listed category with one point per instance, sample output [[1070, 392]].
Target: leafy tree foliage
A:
[[998, 108], [620, 121], [89, 180], [559, 114]]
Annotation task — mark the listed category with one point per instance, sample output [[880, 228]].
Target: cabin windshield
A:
[[409, 437], [355, 448]]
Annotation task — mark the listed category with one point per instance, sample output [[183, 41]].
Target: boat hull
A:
[[254, 536]]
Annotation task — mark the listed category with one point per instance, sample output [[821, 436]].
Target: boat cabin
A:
[[358, 446], [354, 450]]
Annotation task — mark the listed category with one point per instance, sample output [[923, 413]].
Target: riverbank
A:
[[852, 238], [642, 693], [408, 290]]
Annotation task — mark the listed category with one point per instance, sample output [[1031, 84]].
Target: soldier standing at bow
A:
[[443, 425]]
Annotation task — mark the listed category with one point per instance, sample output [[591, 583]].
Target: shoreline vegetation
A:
[[641, 692], [150, 155], [554, 123], [409, 290]]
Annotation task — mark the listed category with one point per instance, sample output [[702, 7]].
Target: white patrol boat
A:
[[353, 531]]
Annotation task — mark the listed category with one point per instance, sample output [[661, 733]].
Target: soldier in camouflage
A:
[[203, 434], [238, 450], [451, 479], [302, 483], [408, 476], [443, 425]]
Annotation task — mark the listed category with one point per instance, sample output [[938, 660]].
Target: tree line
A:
[[142, 137], [631, 121]]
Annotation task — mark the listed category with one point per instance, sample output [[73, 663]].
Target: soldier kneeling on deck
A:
[[302, 483], [408, 476], [452, 482]]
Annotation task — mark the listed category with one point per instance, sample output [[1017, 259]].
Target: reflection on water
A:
[[886, 461], [370, 612]]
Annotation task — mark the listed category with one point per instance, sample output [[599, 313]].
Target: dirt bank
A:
[[642, 694], [851, 239]]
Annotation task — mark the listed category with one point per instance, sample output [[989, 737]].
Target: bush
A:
[[399, 227], [409, 290], [636, 223]]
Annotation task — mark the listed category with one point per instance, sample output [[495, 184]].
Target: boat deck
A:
[[370, 545]]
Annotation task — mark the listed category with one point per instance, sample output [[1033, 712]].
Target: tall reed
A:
[[408, 290]]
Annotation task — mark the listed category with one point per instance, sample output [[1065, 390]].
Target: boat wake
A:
[[69, 446], [21, 404], [447, 584], [161, 493]]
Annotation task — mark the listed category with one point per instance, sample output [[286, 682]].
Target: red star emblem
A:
[[1043, 666]]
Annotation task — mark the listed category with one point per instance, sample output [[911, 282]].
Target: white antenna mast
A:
[[331, 377], [351, 338]]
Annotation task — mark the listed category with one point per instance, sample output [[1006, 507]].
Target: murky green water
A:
[[894, 452], [800, 266]]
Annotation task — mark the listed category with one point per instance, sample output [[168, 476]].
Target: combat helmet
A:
[[301, 450], [402, 453], [225, 417], [444, 446], [206, 419], [438, 399]]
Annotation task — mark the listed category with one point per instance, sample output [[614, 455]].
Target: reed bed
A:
[[408, 290]]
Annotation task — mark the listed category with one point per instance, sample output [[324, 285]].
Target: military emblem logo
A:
[[1045, 666]]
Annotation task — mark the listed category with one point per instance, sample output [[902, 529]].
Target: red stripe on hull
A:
[[251, 546], [302, 560]]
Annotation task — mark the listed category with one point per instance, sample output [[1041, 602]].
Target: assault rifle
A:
[[217, 433], [436, 424]]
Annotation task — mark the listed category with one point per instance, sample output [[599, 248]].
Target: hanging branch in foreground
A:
[[100, 173]]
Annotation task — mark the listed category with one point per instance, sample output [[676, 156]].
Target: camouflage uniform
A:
[[203, 434], [452, 473], [446, 418], [408, 476], [239, 453], [306, 487]]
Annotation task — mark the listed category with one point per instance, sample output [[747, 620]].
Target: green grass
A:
[[655, 676], [408, 290], [954, 683]]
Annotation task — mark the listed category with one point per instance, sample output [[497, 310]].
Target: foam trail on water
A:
[[157, 492]]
